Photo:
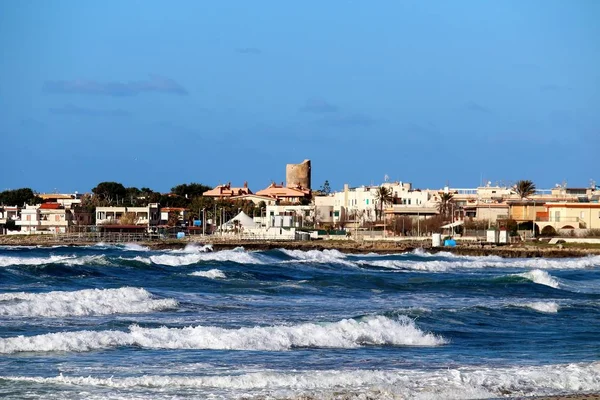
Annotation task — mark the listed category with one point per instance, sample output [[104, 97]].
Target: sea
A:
[[128, 322]]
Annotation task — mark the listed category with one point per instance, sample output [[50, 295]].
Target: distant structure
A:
[[298, 175]]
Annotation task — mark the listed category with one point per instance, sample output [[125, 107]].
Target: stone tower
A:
[[298, 174]]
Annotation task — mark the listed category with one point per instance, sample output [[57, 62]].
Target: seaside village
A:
[[294, 210]]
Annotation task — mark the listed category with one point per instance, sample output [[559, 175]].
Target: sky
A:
[[155, 93]]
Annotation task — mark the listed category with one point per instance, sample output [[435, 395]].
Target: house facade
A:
[[283, 194], [568, 215], [148, 216]]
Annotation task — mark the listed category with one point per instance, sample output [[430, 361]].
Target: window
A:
[[336, 213], [367, 201]]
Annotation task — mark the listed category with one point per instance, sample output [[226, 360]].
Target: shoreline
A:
[[343, 246]]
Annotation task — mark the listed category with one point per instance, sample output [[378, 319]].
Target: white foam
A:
[[469, 262], [545, 307], [451, 383], [195, 248], [188, 258], [86, 302], [8, 261], [540, 277], [318, 256], [348, 333], [211, 273], [134, 247]]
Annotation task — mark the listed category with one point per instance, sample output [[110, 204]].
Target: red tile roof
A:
[[50, 206]]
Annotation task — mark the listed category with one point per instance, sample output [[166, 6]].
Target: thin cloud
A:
[[156, 84], [249, 50], [73, 110], [476, 107], [350, 120], [318, 105]]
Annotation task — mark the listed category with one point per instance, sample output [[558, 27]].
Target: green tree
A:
[[325, 189], [383, 196], [525, 188], [190, 190], [19, 197], [446, 200], [110, 192]]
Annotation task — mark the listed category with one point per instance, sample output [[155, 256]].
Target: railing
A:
[[557, 219]]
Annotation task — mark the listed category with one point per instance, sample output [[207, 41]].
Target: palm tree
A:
[[525, 188], [444, 206], [383, 195]]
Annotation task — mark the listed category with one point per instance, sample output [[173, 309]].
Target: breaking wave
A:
[[470, 262], [451, 383], [347, 333], [189, 257], [318, 256], [211, 273], [9, 261], [540, 277], [82, 303]]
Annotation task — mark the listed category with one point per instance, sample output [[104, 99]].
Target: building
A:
[[227, 192], [68, 201], [182, 215], [568, 215], [8, 213], [45, 218], [147, 217], [298, 175], [288, 195], [256, 199]]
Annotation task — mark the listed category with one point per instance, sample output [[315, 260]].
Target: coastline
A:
[[344, 246]]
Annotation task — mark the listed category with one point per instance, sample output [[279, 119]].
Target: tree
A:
[[525, 188], [110, 191], [19, 197], [383, 196], [325, 189], [128, 219], [190, 190], [446, 200], [173, 218]]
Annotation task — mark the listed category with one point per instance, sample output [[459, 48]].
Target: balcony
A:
[[54, 223], [558, 219]]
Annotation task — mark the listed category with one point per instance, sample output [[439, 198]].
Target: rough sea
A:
[[125, 322]]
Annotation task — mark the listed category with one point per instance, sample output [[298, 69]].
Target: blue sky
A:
[[155, 93]]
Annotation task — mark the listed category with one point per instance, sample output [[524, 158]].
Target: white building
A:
[[148, 216], [45, 218]]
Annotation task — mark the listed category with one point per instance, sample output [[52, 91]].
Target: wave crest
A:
[[348, 333], [540, 277], [451, 383], [211, 273], [82, 303]]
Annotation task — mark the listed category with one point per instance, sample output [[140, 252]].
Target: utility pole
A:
[[204, 222]]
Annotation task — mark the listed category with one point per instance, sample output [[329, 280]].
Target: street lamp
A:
[[204, 222]]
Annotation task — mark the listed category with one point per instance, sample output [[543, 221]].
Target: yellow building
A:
[[569, 216]]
